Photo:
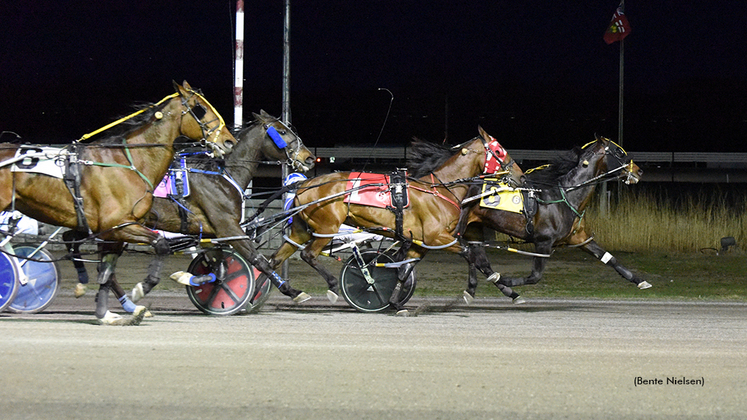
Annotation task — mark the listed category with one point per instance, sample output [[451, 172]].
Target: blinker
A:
[[275, 136], [199, 112]]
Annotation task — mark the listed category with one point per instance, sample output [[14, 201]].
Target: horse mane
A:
[[423, 157], [245, 127], [114, 135], [559, 167]]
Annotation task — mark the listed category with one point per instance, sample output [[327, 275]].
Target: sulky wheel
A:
[[374, 297], [264, 287], [227, 295], [9, 283], [43, 281]]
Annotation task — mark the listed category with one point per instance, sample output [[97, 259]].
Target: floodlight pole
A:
[[238, 69], [286, 111]]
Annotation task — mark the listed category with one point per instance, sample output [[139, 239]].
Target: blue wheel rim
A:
[[43, 282], [8, 281]]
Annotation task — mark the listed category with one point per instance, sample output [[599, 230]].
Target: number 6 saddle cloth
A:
[[497, 195]]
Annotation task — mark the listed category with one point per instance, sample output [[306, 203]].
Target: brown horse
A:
[[566, 188], [215, 204], [428, 222], [108, 184]]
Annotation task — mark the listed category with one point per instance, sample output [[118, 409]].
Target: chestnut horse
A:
[[566, 187], [215, 204], [428, 222], [108, 185]]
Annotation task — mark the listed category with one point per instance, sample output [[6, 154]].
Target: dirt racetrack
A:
[[548, 359]]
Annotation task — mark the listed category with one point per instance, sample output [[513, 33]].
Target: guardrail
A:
[[400, 153]]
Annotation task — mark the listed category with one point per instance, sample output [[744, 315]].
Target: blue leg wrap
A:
[[127, 304]]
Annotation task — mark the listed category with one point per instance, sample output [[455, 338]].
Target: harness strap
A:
[[72, 182], [118, 165], [435, 192]]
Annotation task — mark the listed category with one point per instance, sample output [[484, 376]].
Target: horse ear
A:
[[187, 86], [482, 132], [257, 116], [264, 114], [176, 86]]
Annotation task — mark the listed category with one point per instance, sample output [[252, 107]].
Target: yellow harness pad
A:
[[499, 196]]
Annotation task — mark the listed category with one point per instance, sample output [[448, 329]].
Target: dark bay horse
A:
[[428, 222], [108, 184], [566, 188], [215, 204]]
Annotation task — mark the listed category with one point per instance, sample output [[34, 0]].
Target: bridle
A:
[[619, 154], [291, 152], [198, 112]]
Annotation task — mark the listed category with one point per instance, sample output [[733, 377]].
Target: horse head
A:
[[204, 122], [618, 163], [282, 142], [497, 159]]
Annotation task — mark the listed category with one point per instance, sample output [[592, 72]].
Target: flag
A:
[[619, 27]]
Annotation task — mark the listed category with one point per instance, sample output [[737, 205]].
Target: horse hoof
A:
[[110, 318], [301, 298], [403, 312], [494, 277], [146, 314], [332, 296], [468, 299], [137, 292], [138, 315], [189, 279], [644, 285], [519, 301], [182, 277], [80, 290]]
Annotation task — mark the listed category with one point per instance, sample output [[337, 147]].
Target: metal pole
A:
[[286, 111], [620, 99], [620, 95], [238, 70]]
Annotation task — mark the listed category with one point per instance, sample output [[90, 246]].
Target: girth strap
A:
[[72, 181], [398, 190]]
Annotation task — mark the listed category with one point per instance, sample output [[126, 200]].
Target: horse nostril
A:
[[229, 144]]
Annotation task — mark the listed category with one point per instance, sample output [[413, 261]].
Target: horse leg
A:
[[161, 247], [309, 255], [106, 282], [605, 257], [259, 261], [72, 238], [121, 296], [538, 267], [477, 259]]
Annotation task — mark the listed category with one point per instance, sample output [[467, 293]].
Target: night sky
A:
[[535, 74]]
